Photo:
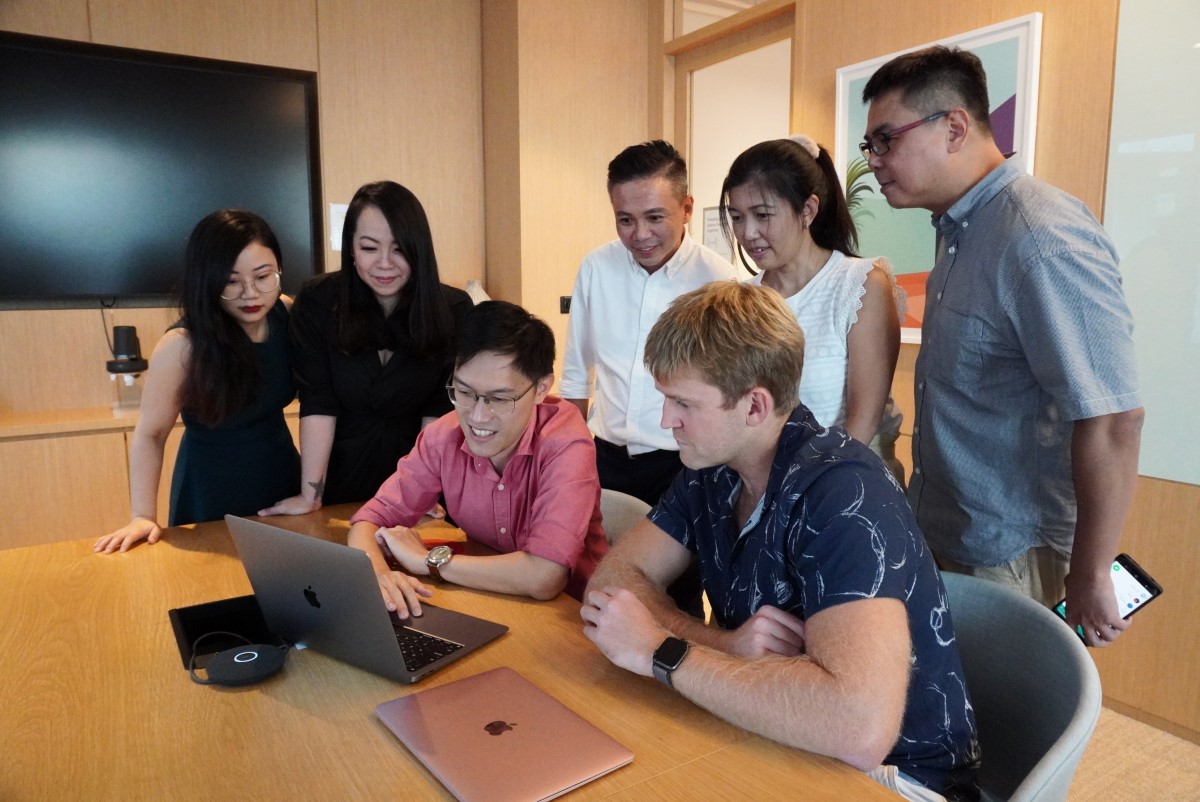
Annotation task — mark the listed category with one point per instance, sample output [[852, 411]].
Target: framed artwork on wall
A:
[[1010, 52]]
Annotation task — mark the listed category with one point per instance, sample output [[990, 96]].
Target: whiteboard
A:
[[1152, 211]]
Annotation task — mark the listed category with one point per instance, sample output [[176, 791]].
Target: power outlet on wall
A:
[[564, 304]]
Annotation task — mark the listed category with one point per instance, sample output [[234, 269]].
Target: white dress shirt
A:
[[613, 306]]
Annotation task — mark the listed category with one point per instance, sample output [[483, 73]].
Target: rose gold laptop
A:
[[497, 737]]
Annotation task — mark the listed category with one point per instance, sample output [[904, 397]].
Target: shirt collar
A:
[[982, 193], [524, 445], [682, 254]]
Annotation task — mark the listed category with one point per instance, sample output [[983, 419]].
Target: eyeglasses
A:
[[465, 399], [267, 282], [881, 143]]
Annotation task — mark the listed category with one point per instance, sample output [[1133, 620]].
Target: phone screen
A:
[[1130, 591]]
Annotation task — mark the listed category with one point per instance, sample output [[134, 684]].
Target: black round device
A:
[[237, 665], [243, 665]]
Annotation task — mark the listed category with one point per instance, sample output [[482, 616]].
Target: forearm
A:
[[1104, 458], [316, 442], [516, 573], [862, 420], [145, 471], [617, 573], [362, 537], [794, 701]]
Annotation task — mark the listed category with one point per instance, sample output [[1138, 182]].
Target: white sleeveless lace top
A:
[[826, 308]]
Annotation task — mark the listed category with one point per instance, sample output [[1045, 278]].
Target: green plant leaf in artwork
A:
[[857, 188]]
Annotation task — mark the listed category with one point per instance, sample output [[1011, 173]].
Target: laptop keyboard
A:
[[419, 649]]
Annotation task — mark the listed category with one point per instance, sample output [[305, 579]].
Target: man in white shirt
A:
[[622, 288]]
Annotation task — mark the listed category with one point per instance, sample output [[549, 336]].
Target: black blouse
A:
[[378, 407]]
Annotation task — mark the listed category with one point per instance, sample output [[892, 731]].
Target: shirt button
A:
[[921, 386], [953, 249], [916, 470], [503, 530], [916, 430], [939, 296], [964, 223], [500, 486]]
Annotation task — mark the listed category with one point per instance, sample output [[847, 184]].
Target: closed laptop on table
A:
[[497, 737], [326, 596]]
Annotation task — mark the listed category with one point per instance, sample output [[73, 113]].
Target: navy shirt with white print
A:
[[834, 527]]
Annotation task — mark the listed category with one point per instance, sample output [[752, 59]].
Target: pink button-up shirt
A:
[[546, 503]]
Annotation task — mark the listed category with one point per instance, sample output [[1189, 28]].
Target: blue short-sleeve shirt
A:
[[834, 527], [1026, 330]]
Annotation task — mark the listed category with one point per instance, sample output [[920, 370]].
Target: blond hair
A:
[[736, 337]]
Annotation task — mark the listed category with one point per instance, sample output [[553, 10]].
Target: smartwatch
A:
[[668, 657], [437, 557]]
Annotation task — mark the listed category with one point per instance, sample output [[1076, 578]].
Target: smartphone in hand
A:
[[1134, 588]]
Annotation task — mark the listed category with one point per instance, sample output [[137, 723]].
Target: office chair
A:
[[620, 512], [1035, 689]]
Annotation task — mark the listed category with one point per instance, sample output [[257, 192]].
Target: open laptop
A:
[[498, 737], [325, 595]]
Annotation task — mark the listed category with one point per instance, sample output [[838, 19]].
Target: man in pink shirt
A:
[[516, 468]]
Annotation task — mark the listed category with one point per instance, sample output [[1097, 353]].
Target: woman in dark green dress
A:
[[225, 367]]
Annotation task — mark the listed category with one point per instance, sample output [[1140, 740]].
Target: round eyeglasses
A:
[[881, 143], [500, 405], [236, 287]]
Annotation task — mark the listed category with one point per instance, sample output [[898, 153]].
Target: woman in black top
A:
[[372, 350]]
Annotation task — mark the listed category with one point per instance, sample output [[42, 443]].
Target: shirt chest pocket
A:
[[956, 353]]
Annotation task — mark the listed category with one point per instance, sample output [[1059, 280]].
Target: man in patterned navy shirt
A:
[[831, 630]]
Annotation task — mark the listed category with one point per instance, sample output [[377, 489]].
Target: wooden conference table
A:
[[96, 704]]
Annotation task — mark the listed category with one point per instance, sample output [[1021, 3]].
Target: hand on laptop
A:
[[403, 593]]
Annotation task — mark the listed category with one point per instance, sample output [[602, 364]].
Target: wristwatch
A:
[[668, 657], [436, 559]]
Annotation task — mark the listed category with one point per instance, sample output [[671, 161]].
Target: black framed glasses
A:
[[501, 405], [236, 287], [881, 143]]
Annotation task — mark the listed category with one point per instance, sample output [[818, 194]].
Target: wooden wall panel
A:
[[500, 41], [61, 488], [54, 359], [278, 33], [584, 98], [1155, 666], [401, 99], [61, 19]]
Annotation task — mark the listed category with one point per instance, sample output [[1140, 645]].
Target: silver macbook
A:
[[497, 737], [325, 596]]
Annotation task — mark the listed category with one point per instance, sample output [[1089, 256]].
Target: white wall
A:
[[1152, 210], [735, 104]]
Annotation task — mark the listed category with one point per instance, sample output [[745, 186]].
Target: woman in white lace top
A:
[[784, 205]]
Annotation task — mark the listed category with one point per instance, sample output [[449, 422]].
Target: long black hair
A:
[[222, 373], [785, 168], [421, 321]]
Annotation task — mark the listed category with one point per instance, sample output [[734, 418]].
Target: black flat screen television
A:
[[110, 156]]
